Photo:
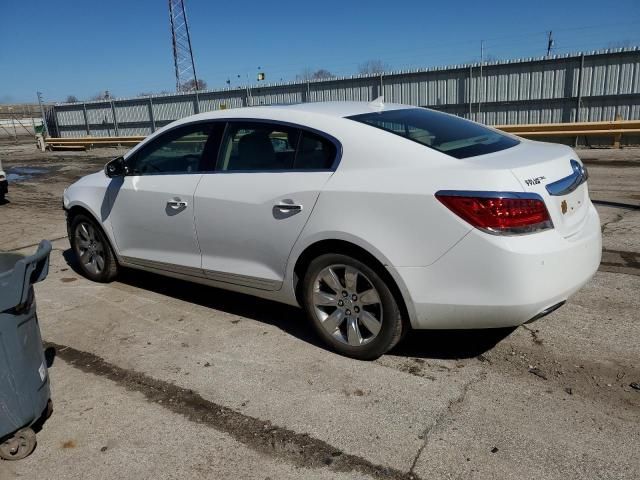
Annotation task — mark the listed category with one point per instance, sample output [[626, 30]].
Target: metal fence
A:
[[594, 86], [21, 120]]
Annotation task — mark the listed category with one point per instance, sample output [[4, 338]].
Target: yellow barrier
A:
[[582, 127]]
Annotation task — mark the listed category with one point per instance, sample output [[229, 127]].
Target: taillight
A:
[[499, 212]]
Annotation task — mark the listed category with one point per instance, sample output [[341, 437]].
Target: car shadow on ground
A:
[[435, 344], [450, 344]]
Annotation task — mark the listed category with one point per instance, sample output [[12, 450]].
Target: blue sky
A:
[[80, 48]]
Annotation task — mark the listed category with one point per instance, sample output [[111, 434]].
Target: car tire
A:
[[351, 306], [94, 255]]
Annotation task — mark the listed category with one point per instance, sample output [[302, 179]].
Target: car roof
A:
[[341, 109], [324, 109]]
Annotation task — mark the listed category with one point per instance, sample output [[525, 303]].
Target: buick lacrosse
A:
[[375, 218]]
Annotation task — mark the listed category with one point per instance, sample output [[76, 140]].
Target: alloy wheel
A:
[[91, 249], [347, 304]]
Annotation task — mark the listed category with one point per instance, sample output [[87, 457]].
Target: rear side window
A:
[[258, 147], [448, 134], [314, 152], [261, 146]]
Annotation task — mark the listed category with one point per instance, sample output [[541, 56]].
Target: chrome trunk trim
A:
[[568, 184]]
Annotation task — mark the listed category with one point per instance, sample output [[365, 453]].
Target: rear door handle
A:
[[288, 207], [176, 203]]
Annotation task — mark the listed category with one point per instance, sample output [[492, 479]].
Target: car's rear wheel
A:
[[95, 257], [351, 307]]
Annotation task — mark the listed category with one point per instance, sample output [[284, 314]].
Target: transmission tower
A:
[[186, 78]]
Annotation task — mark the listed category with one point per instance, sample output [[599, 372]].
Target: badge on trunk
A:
[[563, 206]]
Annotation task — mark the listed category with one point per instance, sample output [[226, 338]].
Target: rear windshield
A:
[[448, 134]]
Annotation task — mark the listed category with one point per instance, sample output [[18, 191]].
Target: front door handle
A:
[[176, 204]]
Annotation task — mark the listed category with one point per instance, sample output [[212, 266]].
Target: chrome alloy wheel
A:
[[347, 304], [91, 250]]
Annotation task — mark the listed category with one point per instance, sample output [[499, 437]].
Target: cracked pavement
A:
[[158, 378]]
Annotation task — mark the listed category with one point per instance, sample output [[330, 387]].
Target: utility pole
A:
[[549, 42], [44, 118]]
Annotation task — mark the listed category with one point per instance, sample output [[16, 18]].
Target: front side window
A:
[[448, 134], [182, 150]]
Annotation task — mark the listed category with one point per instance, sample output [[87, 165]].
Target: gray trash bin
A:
[[24, 382]]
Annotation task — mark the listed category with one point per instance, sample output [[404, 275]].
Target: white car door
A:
[[151, 211], [250, 212]]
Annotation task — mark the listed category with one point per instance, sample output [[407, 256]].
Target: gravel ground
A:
[[157, 378]]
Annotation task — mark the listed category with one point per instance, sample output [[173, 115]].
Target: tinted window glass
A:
[[258, 146], [314, 152], [452, 135], [177, 151]]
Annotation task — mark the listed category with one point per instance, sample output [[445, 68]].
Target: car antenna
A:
[[378, 102]]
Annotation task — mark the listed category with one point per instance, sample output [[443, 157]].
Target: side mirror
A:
[[116, 168]]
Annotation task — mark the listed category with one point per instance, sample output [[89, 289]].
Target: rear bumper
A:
[[488, 281]]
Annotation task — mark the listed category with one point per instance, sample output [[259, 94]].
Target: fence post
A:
[[470, 91], [196, 103], [54, 114], [15, 132], [44, 118], [115, 120], [579, 100], [86, 118], [151, 117], [618, 136]]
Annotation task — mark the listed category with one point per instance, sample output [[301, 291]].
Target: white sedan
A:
[[375, 218]]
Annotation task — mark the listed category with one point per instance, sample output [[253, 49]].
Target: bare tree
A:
[[71, 99], [371, 67], [309, 74], [193, 85]]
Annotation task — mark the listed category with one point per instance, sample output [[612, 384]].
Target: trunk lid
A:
[[552, 171]]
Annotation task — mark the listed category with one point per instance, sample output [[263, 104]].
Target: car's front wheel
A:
[[95, 257], [351, 307]]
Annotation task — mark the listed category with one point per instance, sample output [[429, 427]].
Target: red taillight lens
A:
[[502, 213]]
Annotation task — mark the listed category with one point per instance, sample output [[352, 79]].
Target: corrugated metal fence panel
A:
[[275, 97], [99, 114], [134, 131], [541, 90], [216, 101], [67, 117], [360, 89], [173, 108], [132, 111]]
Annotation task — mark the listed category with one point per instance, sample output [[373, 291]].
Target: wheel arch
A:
[[77, 209], [346, 247]]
